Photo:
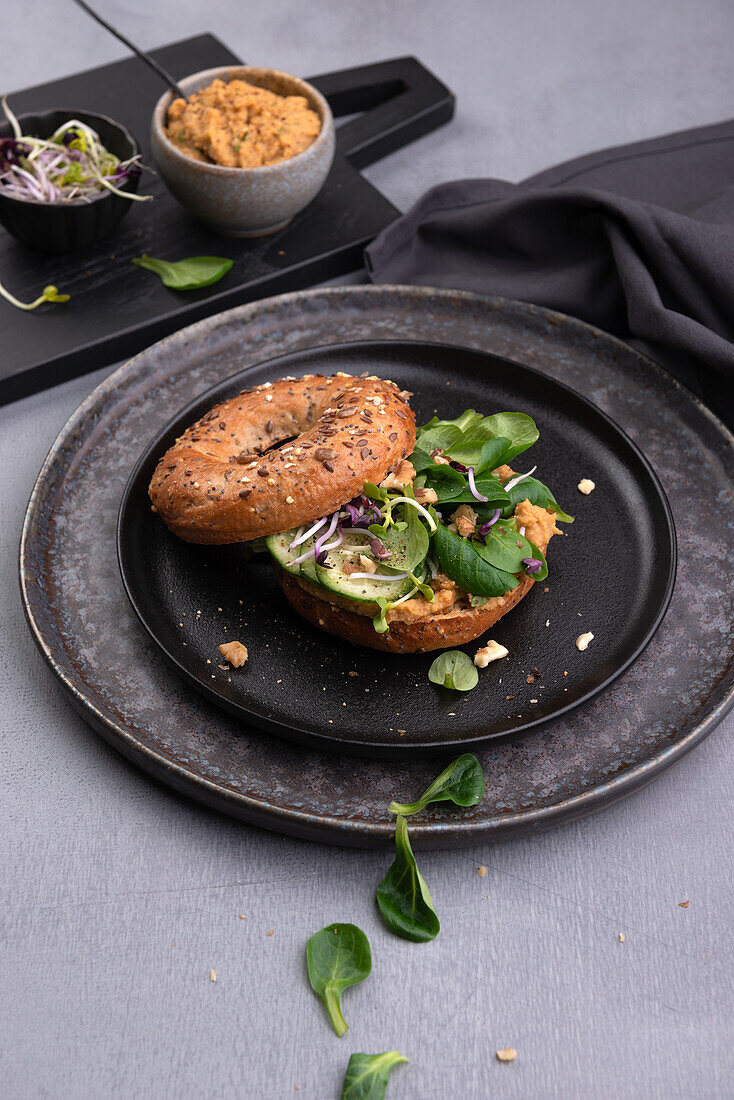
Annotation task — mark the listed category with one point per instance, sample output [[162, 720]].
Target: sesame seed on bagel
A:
[[280, 455]]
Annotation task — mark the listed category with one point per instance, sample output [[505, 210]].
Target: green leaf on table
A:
[[189, 274], [462, 783], [367, 1075], [454, 670], [338, 957], [403, 897], [460, 562]]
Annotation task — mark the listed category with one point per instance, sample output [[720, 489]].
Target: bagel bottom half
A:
[[454, 627]]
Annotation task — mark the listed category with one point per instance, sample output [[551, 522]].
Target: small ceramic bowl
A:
[[246, 202], [69, 226]]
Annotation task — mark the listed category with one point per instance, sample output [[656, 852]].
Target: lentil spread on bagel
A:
[[395, 538]]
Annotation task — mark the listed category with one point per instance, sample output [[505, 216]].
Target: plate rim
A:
[[385, 750], [342, 830]]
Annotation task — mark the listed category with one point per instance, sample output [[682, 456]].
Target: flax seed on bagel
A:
[[280, 455]]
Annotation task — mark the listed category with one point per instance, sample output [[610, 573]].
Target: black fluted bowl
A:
[[69, 226]]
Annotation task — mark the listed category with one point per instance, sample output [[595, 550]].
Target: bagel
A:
[[280, 455], [428, 629], [288, 462]]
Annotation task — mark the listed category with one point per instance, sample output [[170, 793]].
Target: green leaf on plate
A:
[[462, 783], [454, 670]]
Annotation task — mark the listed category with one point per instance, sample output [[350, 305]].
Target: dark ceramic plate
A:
[[613, 574], [670, 699]]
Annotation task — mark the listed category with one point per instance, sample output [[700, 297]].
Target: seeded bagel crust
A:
[[215, 484]]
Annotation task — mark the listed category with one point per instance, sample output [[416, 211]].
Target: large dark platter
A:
[[665, 703], [613, 574]]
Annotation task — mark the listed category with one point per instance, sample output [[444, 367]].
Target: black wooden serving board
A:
[[116, 309]]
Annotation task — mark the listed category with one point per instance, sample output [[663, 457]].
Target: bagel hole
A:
[[258, 452]]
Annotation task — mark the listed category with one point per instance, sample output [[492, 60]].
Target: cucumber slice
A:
[[278, 546], [363, 590], [336, 579]]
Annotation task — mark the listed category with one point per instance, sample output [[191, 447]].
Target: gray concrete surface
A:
[[119, 897]]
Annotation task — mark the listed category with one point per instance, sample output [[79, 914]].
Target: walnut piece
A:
[[440, 459], [586, 486], [403, 475], [464, 520], [492, 651], [234, 652]]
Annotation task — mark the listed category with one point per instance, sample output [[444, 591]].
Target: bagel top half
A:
[[221, 483]]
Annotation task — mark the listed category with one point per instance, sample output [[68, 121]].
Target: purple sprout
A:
[[11, 151], [473, 487], [379, 550], [357, 516], [532, 565], [370, 504], [485, 527], [318, 549]]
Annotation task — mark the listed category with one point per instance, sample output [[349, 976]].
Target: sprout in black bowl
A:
[[69, 212]]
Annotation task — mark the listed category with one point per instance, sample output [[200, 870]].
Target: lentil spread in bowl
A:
[[238, 125]]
